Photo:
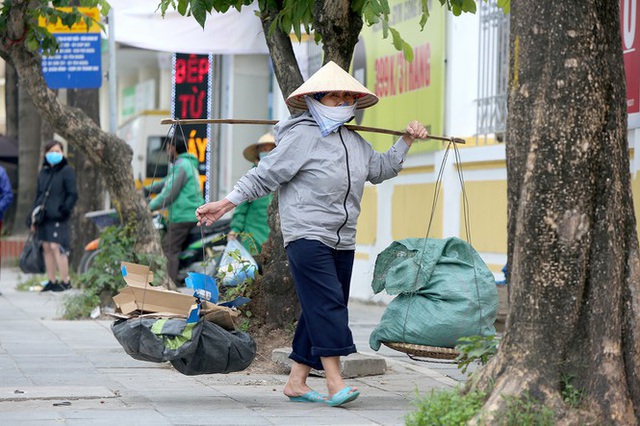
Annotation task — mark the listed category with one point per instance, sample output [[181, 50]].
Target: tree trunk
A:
[[274, 301], [90, 187], [339, 27], [29, 156], [573, 249], [283, 58], [110, 155], [11, 100]]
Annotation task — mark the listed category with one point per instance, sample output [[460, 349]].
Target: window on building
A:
[[157, 159]]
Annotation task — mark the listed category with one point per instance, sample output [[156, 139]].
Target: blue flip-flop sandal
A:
[[311, 396], [342, 397]]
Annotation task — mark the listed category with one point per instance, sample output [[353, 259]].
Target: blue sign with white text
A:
[[76, 64]]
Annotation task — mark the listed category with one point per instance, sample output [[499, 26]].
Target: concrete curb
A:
[[352, 366]]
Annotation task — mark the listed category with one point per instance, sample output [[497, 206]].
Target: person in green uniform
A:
[[180, 193], [249, 221]]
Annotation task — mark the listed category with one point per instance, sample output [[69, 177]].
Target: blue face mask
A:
[[261, 155], [53, 158]]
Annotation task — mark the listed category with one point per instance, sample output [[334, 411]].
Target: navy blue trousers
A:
[[322, 277]]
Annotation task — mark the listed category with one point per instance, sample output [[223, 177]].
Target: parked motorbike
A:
[[201, 253]]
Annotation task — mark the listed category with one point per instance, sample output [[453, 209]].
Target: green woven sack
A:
[[444, 291]]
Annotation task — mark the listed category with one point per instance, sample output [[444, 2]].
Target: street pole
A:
[[113, 100]]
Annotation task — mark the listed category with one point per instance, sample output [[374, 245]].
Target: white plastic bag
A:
[[236, 265]]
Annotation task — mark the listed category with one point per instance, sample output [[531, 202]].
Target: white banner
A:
[[138, 24]]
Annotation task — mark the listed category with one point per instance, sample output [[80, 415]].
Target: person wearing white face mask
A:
[[320, 168], [249, 221], [58, 192]]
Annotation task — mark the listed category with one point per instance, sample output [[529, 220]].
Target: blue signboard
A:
[[76, 64]]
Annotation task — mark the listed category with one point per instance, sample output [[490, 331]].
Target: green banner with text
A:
[[407, 90]]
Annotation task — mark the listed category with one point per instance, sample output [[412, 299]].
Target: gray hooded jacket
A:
[[320, 180]]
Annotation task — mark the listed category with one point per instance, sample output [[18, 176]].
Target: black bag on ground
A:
[[157, 339], [197, 348], [31, 258], [218, 351]]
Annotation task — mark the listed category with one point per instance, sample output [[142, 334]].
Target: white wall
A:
[[245, 94], [461, 81]]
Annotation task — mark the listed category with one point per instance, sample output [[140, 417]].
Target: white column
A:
[[451, 205], [226, 132]]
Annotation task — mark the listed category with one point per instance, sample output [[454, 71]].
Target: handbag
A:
[[31, 258], [37, 215]]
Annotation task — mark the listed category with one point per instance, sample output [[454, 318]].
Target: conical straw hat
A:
[[331, 78], [251, 152]]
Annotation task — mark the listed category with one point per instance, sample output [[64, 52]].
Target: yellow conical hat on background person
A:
[[251, 152], [331, 78]]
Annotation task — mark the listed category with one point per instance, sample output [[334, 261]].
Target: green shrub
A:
[[446, 408], [78, 306], [476, 349], [571, 395], [451, 408], [242, 289], [33, 282], [526, 411], [104, 279]]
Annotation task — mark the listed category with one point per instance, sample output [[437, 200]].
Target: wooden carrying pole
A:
[[272, 122]]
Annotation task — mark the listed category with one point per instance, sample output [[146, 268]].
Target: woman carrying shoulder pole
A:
[[319, 169]]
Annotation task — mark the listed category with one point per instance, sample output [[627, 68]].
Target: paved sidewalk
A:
[[75, 373]]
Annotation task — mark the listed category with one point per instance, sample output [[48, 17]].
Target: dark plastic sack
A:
[[197, 348], [157, 339], [218, 351], [31, 258]]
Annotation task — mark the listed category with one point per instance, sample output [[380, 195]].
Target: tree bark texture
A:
[[90, 187], [275, 303], [283, 58], [340, 28], [110, 155], [11, 100], [573, 248], [30, 156]]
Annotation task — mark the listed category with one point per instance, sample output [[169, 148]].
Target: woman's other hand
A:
[[232, 235], [414, 130], [208, 213]]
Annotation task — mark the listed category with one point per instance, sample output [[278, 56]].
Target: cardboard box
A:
[[226, 318], [139, 296]]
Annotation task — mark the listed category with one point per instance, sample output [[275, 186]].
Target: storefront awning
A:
[[138, 24]]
